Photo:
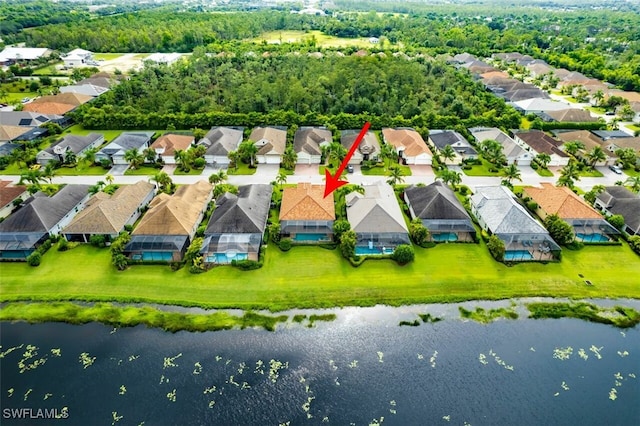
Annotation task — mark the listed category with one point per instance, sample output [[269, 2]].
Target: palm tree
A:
[[450, 177], [596, 154], [49, 171], [395, 175], [234, 157], [217, 178], [182, 159], [150, 155], [568, 175], [512, 173], [448, 153], [109, 179], [388, 152], [32, 177], [90, 156], [543, 159], [248, 152], [573, 147], [634, 183], [289, 158], [69, 157], [163, 181], [281, 179], [134, 158], [598, 97]]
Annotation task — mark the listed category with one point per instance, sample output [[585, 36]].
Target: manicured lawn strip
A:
[[12, 98], [130, 316], [142, 171], [81, 169], [242, 169], [590, 173], [631, 172], [192, 172], [544, 172], [620, 316], [481, 170], [381, 171], [312, 277]]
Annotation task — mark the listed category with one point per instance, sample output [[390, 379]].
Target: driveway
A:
[[118, 169]]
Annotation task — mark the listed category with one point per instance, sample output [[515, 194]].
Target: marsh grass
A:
[[130, 316], [619, 316], [425, 318], [486, 316]]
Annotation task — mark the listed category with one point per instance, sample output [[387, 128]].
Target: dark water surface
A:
[[360, 369]]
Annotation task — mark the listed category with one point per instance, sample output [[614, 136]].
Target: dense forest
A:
[[604, 44], [304, 85]]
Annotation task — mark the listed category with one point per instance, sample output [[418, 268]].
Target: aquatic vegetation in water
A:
[[30, 352], [337, 382], [47, 396], [171, 396], [113, 331], [274, 369], [376, 422], [10, 392], [116, 418], [420, 356], [619, 316], [170, 361], [623, 353], [633, 376], [233, 382], [563, 353], [613, 394], [483, 316], [556, 394], [123, 390], [623, 334], [259, 367], [532, 349], [211, 403], [483, 359], [392, 403], [447, 418], [596, 350], [564, 386], [245, 386], [583, 354], [27, 393], [241, 367], [353, 364], [333, 365], [380, 356], [211, 389], [86, 360], [499, 361], [8, 351], [56, 352], [197, 368], [218, 358], [133, 357], [432, 360], [325, 419]]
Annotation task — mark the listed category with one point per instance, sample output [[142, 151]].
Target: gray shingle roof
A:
[[368, 146], [73, 143], [26, 118], [245, 213], [377, 211], [620, 200], [126, 141], [502, 214], [435, 201], [308, 139], [509, 147], [42, 213], [222, 140], [442, 138]]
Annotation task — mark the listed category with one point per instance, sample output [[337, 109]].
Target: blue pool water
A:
[[310, 237], [592, 238], [223, 258], [449, 236], [363, 251], [157, 257], [518, 255]]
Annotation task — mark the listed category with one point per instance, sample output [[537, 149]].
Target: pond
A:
[[362, 368]]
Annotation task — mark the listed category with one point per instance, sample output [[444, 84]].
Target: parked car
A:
[[610, 113], [25, 100], [349, 169], [616, 169]]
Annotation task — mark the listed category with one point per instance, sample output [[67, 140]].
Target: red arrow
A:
[[333, 182]]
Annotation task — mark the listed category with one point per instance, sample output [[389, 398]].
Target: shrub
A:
[[532, 205], [496, 248], [285, 244], [246, 265], [403, 254], [617, 221], [634, 243], [348, 242], [418, 232], [63, 245], [98, 240], [34, 259]]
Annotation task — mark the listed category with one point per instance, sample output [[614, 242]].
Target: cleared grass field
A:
[[321, 39], [313, 277]]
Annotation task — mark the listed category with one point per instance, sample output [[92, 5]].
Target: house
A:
[[165, 231], [105, 81], [409, 145], [539, 106], [306, 214], [619, 200], [377, 220], [614, 144], [588, 139], [237, 225], [369, 148], [220, 141], [77, 145], [84, 89], [115, 150], [538, 142], [440, 212], [513, 152], [11, 133], [539, 69], [12, 55], [571, 115], [308, 143], [28, 119], [107, 215], [588, 225], [163, 58], [523, 94], [40, 216], [59, 104], [78, 58], [10, 194], [499, 213], [167, 145], [7, 148], [271, 142], [461, 147]]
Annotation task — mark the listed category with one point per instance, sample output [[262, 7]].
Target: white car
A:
[[615, 169]]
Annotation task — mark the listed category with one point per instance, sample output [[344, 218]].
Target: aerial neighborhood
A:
[[408, 186]]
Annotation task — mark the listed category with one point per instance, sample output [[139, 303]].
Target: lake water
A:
[[361, 369]]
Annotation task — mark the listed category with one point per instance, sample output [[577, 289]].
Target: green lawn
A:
[[544, 172], [81, 169], [313, 277], [50, 70], [631, 172], [142, 171], [106, 56], [384, 170], [13, 97], [590, 173], [242, 169], [481, 170], [77, 129], [321, 39], [12, 169], [191, 172]]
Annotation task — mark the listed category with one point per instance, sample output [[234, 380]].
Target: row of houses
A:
[[237, 225]]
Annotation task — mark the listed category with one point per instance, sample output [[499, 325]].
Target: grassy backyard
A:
[[312, 277]]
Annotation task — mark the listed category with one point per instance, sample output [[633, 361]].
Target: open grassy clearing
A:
[[106, 56], [78, 130], [313, 277], [321, 40]]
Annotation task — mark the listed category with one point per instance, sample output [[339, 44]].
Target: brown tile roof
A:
[[586, 137], [74, 99], [492, 74], [306, 202], [633, 143], [275, 140], [104, 214], [541, 142], [171, 142], [9, 133], [562, 201], [8, 192], [408, 139], [49, 108], [572, 115], [175, 214]]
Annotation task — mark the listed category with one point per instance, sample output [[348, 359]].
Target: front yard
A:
[[313, 277], [482, 170]]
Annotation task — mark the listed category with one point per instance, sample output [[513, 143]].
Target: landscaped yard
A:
[[83, 168], [590, 173], [544, 172], [192, 172], [313, 277], [142, 170], [383, 171], [481, 170], [106, 56], [242, 169], [631, 172]]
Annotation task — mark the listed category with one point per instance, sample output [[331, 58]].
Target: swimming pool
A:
[[372, 251], [226, 258], [447, 236], [592, 238], [518, 255], [311, 237]]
